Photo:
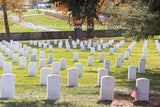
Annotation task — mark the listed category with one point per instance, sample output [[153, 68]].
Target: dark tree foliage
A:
[[81, 10], [153, 5], [143, 19]]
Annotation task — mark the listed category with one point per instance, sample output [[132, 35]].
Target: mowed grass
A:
[[28, 92], [15, 28], [49, 22], [28, 12], [55, 23]]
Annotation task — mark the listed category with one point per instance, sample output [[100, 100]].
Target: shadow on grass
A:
[[21, 68], [97, 86], [71, 86], [106, 102], [89, 93], [40, 85], [122, 95], [146, 103], [154, 100], [91, 71], [37, 103]]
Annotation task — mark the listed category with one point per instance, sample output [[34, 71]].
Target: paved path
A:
[[30, 25]]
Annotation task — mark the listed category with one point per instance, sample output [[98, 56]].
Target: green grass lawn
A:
[[24, 13], [48, 22], [53, 23], [28, 92], [15, 28]]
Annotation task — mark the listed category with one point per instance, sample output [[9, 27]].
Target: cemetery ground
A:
[[41, 20], [16, 28], [28, 91], [55, 23]]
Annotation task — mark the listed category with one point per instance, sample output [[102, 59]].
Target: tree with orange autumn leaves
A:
[[11, 5], [81, 10]]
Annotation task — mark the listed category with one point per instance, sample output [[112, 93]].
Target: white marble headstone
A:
[[99, 48], [41, 55], [50, 48], [53, 87], [7, 67], [7, 85], [80, 69], [132, 72], [15, 58], [72, 77], [45, 46], [45, 72], [111, 51], [82, 48], [2, 60], [11, 52], [122, 57], [92, 51], [107, 64], [50, 58], [21, 52], [32, 69], [101, 57], [34, 52], [126, 55], [90, 60], [23, 62], [143, 85], [63, 63], [56, 68], [33, 58], [141, 67], [118, 62], [107, 88], [101, 72], [75, 56], [26, 54], [42, 63]]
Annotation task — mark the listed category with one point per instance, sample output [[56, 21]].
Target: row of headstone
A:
[[107, 88], [53, 81], [10, 50], [129, 50], [116, 47], [74, 44], [53, 85], [42, 42], [157, 46], [119, 60], [106, 91], [33, 64], [142, 61], [144, 55]]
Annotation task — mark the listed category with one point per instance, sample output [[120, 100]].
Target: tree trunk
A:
[[78, 31], [77, 27], [8, 37], [90, 27]]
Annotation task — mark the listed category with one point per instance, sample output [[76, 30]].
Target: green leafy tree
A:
[[140, 17], [92, 9], [35, 2], [143, 19], [76, 7], [11, 5], [81, 10]]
